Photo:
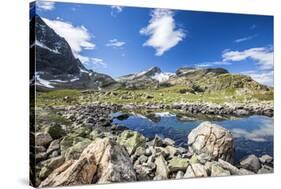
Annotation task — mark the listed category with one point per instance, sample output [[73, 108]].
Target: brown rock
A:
[[102, 161]]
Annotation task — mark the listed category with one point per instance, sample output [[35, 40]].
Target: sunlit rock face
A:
[[213, 140]]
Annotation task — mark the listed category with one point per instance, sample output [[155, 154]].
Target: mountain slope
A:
[[214, 79], [56, 66], [150, 78]]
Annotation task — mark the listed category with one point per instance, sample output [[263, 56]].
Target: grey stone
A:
[[54, 145], [213, 140], [265, 170], [179, 175], [266, 159], [178, 164], [251, 163], [217, 171], [233, 170], [162, 170], [168, 142], [42, 139], [195, 170], [243, 171]]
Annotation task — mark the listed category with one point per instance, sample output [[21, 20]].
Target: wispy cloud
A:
[[211, 64], [116, 10], [244, 39], [115, 43], [263, 56], [162, 31], [258, 135], [95, 63], [45, 5], [262, 76], [78, 37]]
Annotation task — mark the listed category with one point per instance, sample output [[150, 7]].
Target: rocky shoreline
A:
[[93, 150], [235, 109]]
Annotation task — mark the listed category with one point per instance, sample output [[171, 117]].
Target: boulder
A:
[[169, 142], [131, 140], [179, 175], [156, 142], [266, 159], [68, 141], [162, 170], [39, 149], [50, 165], [195, 170], [54, 145], [42, 139], [251, 163], [81, 132], [74, 151], [172, 150], [140, 151], [245, 172], [144, 172], [103, 161], [55, 131], [178, 164], [233, 170], [212, 140], [217, 171], [265, 170]]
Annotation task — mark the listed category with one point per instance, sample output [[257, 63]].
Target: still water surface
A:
[[253, 135]]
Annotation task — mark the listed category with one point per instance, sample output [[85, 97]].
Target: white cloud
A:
[[115, 10], [263, 56], [45, 5], [83, 59], [78, 37], [214, 63], [162, 31], [258, 135], [115, 43], [264, 77], [98, 62], [244, 39]]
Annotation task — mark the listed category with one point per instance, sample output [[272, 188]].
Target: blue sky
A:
[[120, 40]]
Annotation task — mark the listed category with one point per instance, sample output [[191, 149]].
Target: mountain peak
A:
[[149, 72]]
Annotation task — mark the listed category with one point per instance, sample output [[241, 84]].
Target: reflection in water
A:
[[253, 135], [259, 134]]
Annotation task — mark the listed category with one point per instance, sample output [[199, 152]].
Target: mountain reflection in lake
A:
[[253, 135]]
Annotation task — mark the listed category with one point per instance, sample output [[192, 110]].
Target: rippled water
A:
[[253, 135]]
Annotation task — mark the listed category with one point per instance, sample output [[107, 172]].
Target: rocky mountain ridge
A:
[[56, 66]]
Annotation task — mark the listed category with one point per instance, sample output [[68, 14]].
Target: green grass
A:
[[166, 95], [58, 97]]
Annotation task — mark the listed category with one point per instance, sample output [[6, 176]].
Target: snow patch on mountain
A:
[[162, 77], [42, 82], [74, 79], [39, 44], [58, 81]]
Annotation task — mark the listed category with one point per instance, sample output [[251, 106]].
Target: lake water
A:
[[253, 135]]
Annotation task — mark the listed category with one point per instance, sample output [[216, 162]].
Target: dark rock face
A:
[[53, 53], [56, 66]]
